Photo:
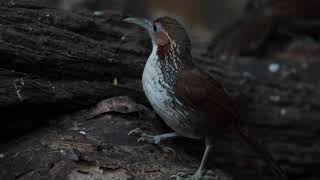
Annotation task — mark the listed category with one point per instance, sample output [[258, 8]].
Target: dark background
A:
[[60, 58]]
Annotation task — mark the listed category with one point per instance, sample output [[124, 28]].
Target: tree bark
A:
[[54, 62]]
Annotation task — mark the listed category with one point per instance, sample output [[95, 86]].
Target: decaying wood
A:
[[98, 148], [63, 60], [53, 62]]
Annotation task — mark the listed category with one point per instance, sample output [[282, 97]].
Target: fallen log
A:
[[54, 62]]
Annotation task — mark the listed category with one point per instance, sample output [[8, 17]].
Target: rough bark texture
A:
[[53, 62], [63, 60]]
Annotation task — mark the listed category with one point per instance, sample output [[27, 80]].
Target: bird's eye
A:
[[154, 28]]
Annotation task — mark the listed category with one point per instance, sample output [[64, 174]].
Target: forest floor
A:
[[56, 66]]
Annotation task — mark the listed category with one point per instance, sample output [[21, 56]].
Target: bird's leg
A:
[[202, 173], [205, 157], [152, 139]]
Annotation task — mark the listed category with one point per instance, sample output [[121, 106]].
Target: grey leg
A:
[[205, 157], [202, 173], [153, 139]]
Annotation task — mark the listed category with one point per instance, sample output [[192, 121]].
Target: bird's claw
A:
[[144, 137], [136, 131], [152, 139], [148, 139]]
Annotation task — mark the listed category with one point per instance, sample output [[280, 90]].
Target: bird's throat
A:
[[169, 58], [162, 51]]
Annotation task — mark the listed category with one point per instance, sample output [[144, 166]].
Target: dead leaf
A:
[[120, 104]]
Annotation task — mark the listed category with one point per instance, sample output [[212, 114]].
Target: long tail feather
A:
[[253, 143]]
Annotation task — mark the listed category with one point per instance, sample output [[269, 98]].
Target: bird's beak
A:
[[145, 23]]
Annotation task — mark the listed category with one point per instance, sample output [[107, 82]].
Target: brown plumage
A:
[[192, 103], [215, 111], [212, 104]]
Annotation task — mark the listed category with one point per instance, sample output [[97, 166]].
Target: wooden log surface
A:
[[54, 62], [64, 60]]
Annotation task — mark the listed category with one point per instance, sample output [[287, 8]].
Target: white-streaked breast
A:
[[157, 94], [161, 96]]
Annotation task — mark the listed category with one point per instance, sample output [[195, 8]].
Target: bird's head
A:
[[168, 36]]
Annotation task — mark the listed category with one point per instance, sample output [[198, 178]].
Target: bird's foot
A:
[[199, 175], [144, 137], [152, 139]]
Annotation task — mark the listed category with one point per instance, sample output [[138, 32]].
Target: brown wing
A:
[[204, 93]]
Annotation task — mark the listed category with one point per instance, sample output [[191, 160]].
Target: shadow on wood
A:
[[54, 62]]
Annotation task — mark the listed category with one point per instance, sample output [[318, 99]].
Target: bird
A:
[[189, 101]]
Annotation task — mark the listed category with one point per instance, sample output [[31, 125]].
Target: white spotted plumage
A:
[[160, 95]]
